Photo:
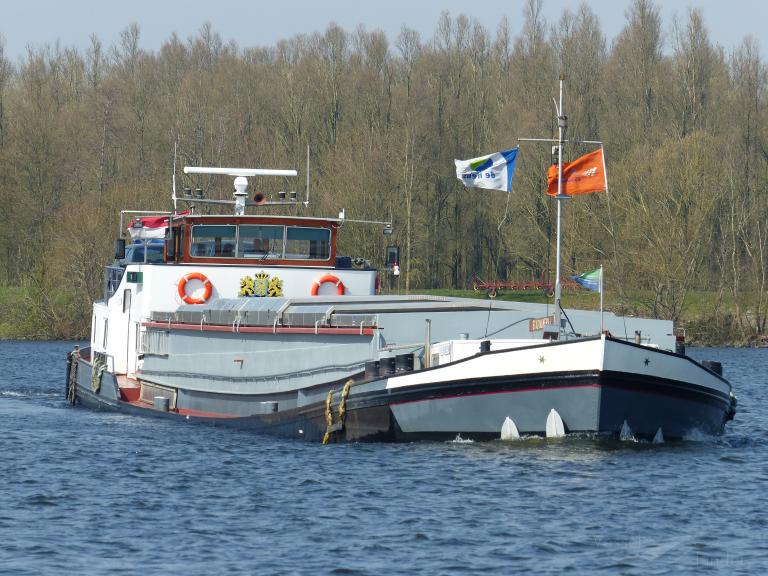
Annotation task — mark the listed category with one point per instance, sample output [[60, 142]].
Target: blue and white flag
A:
[[493, 172]]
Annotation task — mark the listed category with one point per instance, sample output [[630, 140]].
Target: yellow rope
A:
[[328, 413], [328, 417], [342, 410], [343, 403]]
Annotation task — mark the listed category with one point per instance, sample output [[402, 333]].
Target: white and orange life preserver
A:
[[327, 278], [207, 288]]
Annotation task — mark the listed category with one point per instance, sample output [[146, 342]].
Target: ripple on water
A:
[[94, 493]]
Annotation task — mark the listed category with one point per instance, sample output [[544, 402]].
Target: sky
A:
[[36, 23]]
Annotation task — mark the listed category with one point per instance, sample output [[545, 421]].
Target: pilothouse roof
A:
[[245, 218]]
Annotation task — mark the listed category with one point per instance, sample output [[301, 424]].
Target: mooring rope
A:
[[74, 358], [330, 427], [97, 370]]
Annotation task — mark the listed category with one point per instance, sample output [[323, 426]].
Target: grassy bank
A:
[[707, 318]]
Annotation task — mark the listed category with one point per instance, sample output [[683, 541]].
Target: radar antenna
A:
[[241, 186]]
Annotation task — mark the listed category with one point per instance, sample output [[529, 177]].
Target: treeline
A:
[[85, 134]]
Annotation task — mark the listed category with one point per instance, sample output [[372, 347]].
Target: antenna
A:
[[306, 202], [173, 178], [238, 171], [241, 185]]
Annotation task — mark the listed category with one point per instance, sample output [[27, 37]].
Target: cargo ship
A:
[[255, 321]]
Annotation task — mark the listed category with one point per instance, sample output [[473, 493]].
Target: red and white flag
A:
[[148, 227]]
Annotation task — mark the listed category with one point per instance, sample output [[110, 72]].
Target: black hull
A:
[[593, 403]]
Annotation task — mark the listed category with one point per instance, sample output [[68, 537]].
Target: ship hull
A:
[[443, 402]]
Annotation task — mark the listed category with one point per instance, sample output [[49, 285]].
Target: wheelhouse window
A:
[[260, 241], [307, 243], [144, 251], [213, 241]]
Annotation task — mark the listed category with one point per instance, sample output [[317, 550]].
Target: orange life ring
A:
[[183, 288], [328, 278]]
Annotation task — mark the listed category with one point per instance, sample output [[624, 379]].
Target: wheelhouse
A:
[[226, 240], [243, 240]]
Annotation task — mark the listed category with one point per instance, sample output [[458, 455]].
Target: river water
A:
[[85, 492]]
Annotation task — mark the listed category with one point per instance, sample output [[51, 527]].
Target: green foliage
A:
[[12, 324], [85, 134]]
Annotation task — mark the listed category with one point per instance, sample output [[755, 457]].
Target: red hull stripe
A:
[[181, 411], [202, 414], [262, 329]]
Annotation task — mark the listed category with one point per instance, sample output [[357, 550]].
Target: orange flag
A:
[[582, 176]]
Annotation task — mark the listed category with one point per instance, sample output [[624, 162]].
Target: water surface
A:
[[85, 492]]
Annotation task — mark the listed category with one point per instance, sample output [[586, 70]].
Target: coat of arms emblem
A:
[[260, 285]]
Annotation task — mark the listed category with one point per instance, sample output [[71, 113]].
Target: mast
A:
[[562, 124], [557, 148]]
